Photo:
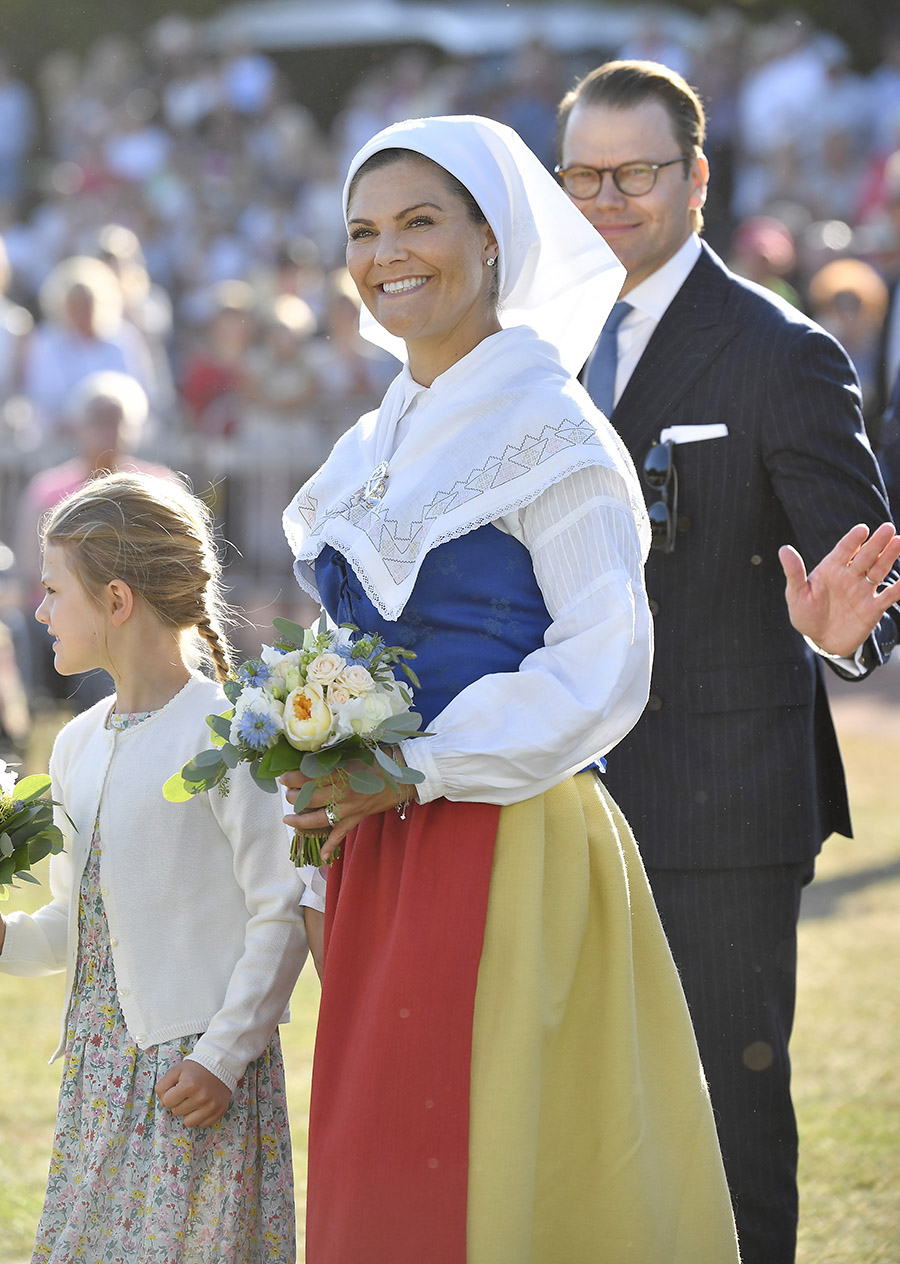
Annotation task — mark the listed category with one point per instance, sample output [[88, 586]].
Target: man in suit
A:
[[745, 418]]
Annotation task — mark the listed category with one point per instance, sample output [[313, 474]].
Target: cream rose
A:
[[366, 712], [356, 679], [324, 669], [338, 694], [307, 718]]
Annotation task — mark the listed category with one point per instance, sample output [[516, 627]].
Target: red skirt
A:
[[389, 1112]]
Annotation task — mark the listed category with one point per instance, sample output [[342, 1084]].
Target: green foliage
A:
[[27, 831]]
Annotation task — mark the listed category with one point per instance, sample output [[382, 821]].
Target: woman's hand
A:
[[195, 1094], [350, 807]]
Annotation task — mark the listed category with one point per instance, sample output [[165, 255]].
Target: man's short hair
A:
[[620, 85]]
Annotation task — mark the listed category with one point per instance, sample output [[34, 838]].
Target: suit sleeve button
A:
[[654, 702], [756, 560], [654, 606]]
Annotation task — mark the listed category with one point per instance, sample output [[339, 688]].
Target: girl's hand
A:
[[315, 934], [195, 1094], [350, 808]]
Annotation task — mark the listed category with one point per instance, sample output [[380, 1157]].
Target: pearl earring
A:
[[491, 261]]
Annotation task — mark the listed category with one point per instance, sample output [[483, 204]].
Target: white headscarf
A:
[[557, 274], [502, 424]]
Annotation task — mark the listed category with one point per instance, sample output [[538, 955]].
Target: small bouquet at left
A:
[[324, 701], [27, 831]]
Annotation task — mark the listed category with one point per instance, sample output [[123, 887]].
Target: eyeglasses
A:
[[634, 179], [660, 474]]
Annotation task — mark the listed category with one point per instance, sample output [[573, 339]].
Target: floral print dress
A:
[[129, 1182]]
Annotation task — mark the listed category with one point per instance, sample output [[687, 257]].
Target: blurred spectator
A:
[[885, 87], [353, 373], [762, 250], [17, 134], [528, 96], [652, 42], [215, 372], [281, 437], [777, 96], [15, 713], [15, 325], [147, 308], [247, 80], [849, 299], [719, 63], [82, 333], [105, 417]]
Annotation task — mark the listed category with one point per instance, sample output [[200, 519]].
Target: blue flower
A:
[[257, 729], [253, 672]]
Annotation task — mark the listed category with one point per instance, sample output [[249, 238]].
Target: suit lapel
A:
[[687, 339]]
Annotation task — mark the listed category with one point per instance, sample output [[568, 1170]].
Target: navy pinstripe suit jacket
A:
[[735, 761]]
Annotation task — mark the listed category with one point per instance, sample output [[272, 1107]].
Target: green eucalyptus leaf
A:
[[282, 757], [28, 877], [303, 797], [30, 788], [364, 781], [177, 790], [231, 756], [320, 763], [390, 765], [6, 845], [232, 690], [290, 632], [202, 763], [220, 727], [264, 780]]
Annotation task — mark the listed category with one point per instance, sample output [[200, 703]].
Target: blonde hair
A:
[[154, 535]]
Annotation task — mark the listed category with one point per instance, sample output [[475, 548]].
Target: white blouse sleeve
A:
[[512, 735]]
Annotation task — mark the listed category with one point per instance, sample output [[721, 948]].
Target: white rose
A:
[[367, 712], [357, 679], [307, 718], [7, 779], [324, 669]]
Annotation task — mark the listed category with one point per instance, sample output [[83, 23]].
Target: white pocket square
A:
[[693, 434]]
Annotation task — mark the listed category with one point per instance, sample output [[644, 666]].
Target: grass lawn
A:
[[845, 1044]]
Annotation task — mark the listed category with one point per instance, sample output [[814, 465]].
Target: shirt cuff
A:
[[314, 888], [417, 755], [852, 666]]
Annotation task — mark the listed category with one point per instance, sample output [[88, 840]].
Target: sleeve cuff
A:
[[313, 889], [417, 754]]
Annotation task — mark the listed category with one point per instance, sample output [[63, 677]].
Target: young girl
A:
[[178, 924]]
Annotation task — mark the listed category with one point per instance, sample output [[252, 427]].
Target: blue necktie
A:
[[600, 378]]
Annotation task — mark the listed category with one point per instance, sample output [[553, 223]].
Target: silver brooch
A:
[[375, 485]]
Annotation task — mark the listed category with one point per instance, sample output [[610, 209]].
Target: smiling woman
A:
[[417, 252], [505, 1068]]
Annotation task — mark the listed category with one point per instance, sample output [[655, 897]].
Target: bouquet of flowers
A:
[[323, 701], [27, 832]]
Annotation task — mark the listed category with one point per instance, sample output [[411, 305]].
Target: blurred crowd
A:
[[172, 288]]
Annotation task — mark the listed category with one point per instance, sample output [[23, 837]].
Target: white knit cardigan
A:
[[201, 898]]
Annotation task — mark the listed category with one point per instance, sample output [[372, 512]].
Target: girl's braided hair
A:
[[154, 535]]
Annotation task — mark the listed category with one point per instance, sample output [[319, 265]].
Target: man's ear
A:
[[699, 174]]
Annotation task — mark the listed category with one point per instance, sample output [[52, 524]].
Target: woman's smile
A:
[[417, 258]]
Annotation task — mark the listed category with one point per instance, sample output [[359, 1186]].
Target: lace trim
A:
[[392, 611]]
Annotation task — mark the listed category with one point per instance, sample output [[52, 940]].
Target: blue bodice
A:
[[475, 609]]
